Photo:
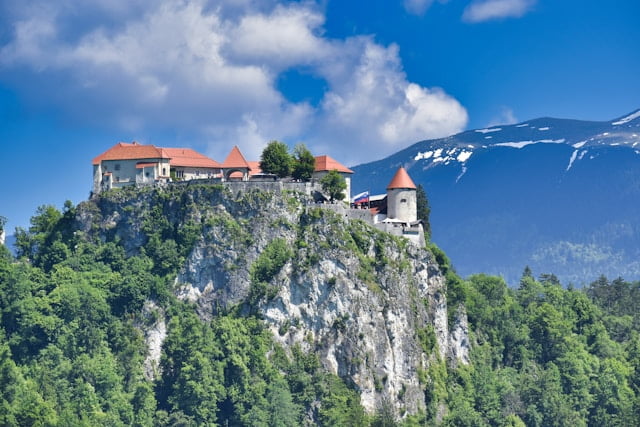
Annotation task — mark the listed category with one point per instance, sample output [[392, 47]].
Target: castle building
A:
[[133, 163], [139, 164], [325, 164], [401, 198], [395, 212]]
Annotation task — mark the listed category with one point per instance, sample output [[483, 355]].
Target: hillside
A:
[[561, 196], [224, 305], [367, 309]]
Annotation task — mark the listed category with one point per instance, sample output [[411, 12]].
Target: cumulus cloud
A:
[[486, 10], [505, 117], [419, 7], [209, 71]]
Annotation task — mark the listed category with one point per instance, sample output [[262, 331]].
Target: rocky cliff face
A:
[[371, 305]]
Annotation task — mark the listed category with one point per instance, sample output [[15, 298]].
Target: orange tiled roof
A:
[[235, 159], [326, 163], [255, 168], [401, 180], [131, 151], [186, 157]]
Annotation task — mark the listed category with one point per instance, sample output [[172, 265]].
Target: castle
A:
[[127, 164]]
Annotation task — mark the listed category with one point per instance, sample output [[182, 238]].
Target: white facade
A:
[[401, 204], [189, 173], [121, 173]]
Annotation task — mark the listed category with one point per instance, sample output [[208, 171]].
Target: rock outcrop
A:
[[371, 305]]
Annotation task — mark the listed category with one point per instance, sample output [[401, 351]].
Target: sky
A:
[[357, 80]]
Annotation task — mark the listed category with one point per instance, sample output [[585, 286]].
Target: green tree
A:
[[275, 159], [28, 243], [304, 163], [334, 185], [423, 210]]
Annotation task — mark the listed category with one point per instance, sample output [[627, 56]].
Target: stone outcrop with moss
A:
[[371, 305]]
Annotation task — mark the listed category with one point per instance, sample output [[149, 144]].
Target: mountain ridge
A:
[[545, 183]]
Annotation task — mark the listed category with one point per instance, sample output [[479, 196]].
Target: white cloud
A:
[[371, 97], [506, 117], [419, 7], [209, 71], [486, 10]]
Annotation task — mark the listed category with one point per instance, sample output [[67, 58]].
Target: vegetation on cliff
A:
[[72, 342]]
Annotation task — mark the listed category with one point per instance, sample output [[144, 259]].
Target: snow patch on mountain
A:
[[579, 144], [627, 119], [463, 156], [544, 128], [440, 156], [464, 170], [425, 155], [488, 130], [572, 159], [521, 144], [522, 125]]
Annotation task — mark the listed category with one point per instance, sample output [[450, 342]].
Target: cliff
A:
[[371, 305]]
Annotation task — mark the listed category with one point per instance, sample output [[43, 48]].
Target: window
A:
[[164, 171], [197, 173], [403, 200], [146, 174], [117, 166]]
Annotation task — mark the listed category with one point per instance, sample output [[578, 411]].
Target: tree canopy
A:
[[72, 352], [334, 185], [304, 163], [275, 159], [423, 210]]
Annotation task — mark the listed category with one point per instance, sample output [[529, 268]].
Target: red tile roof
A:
[[235, 159], [131, 151], [326, 163], [186, 157], [401, 180], [255, 168]]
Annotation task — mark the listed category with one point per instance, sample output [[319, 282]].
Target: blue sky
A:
[[353, 79]]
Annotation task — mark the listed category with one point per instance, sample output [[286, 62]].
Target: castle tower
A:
[[401, 197]]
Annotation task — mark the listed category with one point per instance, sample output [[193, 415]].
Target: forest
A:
[[72, 351]]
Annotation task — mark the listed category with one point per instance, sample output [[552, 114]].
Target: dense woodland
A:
[[71, 349]]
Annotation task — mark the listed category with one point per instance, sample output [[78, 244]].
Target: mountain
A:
[[338, 289], [561, 196], [248, 304]]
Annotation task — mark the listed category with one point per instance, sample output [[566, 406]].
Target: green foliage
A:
[[275, 159], [334, 185], [72, 353], [423, 210], [427, 339], [304, 163], [543, 356], [274, 256]]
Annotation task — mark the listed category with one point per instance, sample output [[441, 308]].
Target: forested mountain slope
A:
[[199, 305]]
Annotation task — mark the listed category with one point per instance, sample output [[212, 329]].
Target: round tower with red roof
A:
[[401, 197]]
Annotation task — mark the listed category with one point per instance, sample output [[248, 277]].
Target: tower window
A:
[[403, 200]]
